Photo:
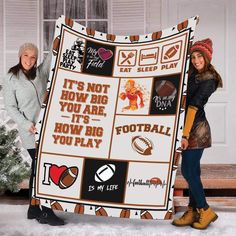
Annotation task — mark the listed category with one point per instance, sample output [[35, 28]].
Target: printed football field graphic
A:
[[111, 123]]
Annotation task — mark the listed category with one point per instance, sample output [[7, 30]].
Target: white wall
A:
[[217, 21], [20, 25]]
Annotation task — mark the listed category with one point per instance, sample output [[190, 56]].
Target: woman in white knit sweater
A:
[[23, 88]]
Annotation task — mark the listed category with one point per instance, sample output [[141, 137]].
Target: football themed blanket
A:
[[111, 123]]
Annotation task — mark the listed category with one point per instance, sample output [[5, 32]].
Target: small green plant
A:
[[13, 170]]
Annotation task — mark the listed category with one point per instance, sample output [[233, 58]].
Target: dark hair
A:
[[31, 74], [208, 67]]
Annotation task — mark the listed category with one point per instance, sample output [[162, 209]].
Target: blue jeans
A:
[[191, 171]]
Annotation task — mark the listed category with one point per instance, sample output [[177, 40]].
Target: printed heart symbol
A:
[[104, 54], [56, 172]]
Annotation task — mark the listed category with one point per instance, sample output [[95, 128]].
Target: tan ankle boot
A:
[[187, 218], [205, 218]]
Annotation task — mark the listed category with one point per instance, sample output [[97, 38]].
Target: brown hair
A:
[[208, 67]]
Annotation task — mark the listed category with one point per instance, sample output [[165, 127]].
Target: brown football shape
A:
[[69, 22], [34, 201], [79, 209], [165, 88], [111, 37], [56, 205], [182, 25], [100, 211], [68, 177], [168, 215], [142, 145], [183, 102], [144, 214], [55, 46], [156, 181], [45, 97], [156, 35], [134, 38], [171, 52], [177, 156], [125, 213], [90, 32]]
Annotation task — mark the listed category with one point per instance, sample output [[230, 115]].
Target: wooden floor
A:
[[214, 176], [217, 178]]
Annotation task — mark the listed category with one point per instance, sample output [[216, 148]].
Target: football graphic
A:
[[69, 22], [125, 213], [177, 156], [55, 46], [68, 177], [46, 96], [111, 37], [145, 215], [134, 38], [156, 181], [182, 25], [104, 173], [79, 209], [156, 35], [56, 205], [165, 88], [34, 201], [171, 52], [142, 145], [90, 32], [100, 211], [168, 215], [45, 99], [183, 102]]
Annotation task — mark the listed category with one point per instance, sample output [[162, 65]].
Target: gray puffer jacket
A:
[[23, 99]]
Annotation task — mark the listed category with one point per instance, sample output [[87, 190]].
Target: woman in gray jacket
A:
[[24, 88]]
